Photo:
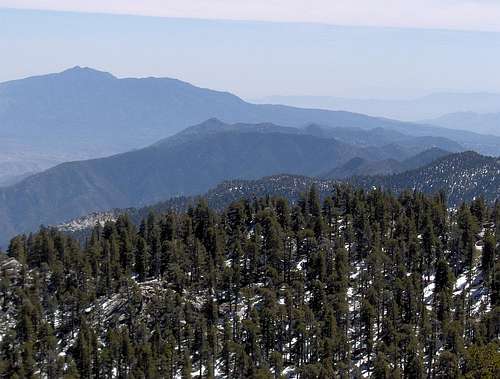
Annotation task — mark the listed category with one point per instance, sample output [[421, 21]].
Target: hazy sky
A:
[[442, 14], [255, 58]]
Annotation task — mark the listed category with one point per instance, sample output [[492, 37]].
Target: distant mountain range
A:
[[462, 176], [188, 163], [420, 108], [487, 123], [83, 113], [484, 181], [198, 158]]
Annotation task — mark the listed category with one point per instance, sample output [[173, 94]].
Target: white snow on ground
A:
[[87, 222], [289, 372], [429, 291], [301, 264]]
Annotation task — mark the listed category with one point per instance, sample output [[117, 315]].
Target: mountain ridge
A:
[[363, 167], [486, 123], [188, 163], [424, 107], [464, 176], [84, 113], [292, 187]]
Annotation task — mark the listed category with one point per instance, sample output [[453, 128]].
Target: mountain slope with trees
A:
[[361, 284], [291, 187], [188, 163], [463, 176]]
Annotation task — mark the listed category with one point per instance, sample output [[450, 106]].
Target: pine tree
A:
[[488, 257], [142, 259]]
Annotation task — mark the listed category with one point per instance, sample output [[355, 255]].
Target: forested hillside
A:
[[361, 284], [188, 163], [464, 177]]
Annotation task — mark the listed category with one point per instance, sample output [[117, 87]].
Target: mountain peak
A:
[[469, 154], [85, 72], [214, 121], [211, 125]]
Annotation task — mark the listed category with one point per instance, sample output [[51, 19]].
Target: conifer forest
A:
[[355, 284]]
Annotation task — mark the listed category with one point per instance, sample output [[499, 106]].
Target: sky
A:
[[441, 14], [264, 48]]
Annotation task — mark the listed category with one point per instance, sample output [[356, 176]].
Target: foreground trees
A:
[[359, 284]]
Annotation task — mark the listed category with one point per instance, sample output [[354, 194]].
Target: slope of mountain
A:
[[383, 136], [290, 187], [14, 171], [358, 166], [481, 143], [405, 134], [83, 113], [463, 177], [19, 159], [486, 123], [10, 180], [362, 167], [188, 163], [85, 107], [425, 107], [423, 159]]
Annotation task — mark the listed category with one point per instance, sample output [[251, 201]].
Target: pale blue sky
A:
[[252, 58], [441, 14]]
